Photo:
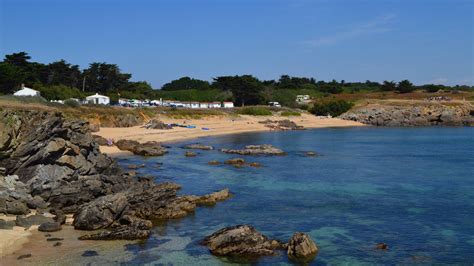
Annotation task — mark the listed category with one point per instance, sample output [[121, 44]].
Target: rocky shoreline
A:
[[52, 169], [54, 166], [420, 114]]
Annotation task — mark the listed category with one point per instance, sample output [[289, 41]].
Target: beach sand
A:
[[216, 125]]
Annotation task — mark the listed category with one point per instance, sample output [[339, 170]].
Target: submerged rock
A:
[[381, 246], [235, 161], [311, 154], [190, 154], [213, 198], [265, 149], [198, 147], [302, 247], [214, 162]]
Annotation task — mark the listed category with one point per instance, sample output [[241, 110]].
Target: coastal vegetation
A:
[[61, 80], [333, 108]]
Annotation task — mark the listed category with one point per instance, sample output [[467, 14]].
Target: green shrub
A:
[[71, 103], [254, 110], [333, 108], [303, 107], [290, 113]]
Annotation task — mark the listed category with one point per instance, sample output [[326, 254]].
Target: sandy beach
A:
[[215, 125]]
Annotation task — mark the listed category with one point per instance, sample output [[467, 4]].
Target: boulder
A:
[[241, 240], [264, 149], [156, 124], [213, 163], [150, 148], [6, 224], [27, 221], [100, 140], [36, 202], [302, 247], [17, 207], [100, 213], [50, 227], [255, 164]]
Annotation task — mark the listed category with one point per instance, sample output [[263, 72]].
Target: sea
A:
[[411, 188]]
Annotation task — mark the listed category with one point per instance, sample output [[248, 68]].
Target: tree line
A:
[[61, 80]]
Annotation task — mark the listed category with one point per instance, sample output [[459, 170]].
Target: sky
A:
[[425, 41]]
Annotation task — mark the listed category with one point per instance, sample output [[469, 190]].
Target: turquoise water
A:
[[412, 188]]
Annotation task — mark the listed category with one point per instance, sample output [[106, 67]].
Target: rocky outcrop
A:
[[241, 240], [281, 124], [246, 241], [302, 247], [156, 124], [419, 114], [100, 140], [150, 148], [48, 162], [265, 149]]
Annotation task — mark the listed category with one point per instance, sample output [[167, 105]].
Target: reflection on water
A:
[[410, 188]]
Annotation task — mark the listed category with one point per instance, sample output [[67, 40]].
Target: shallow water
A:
[[411, 188]]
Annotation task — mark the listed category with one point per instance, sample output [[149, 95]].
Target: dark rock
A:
[[54, 239], [100, 213], [240, 240], [17, 207], [100, 140], [90, 253], [27, 221], [190, 154], [24, 256], [59, 217], [264, 149], [302, 247], [36, 203], [50, 227], [198, 147], [57, 244], [381, 246], [213, 163], [281, 124]]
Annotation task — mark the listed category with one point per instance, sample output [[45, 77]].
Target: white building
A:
[[27, 92], [98, 99], [215, 105], [203, 105], [228, 104], [303, 98]]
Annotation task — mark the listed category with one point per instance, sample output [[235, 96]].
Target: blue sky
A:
[[425, 41]]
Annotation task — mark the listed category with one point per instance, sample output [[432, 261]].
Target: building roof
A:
[[97, 96]]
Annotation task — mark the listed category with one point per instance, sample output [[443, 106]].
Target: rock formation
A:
[[420, 114], [150, 148], [265, 149], [246, 241], [52, 164]]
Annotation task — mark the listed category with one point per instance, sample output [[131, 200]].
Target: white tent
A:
[[98, 99], [26, 92]]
